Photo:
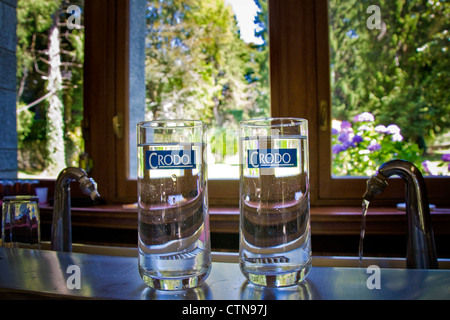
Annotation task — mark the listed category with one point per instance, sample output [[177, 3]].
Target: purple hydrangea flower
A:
[[345, 125], [446, 157], [374, 146], [337, 148], [343, 136], [357, 139], [334, 131], [347, 144], [364, 117]]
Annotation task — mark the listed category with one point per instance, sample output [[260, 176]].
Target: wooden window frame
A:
[[300, 87]]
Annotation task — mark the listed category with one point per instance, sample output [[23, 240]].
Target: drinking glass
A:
[[275, 238], [21, 222], [174, 240]]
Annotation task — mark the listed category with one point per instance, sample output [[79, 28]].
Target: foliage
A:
[[361, 146], [196, 67], [36, 18], [401, 72], [196, 63]]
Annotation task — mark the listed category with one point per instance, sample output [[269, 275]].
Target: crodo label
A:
[[170, 159], [272, 158]]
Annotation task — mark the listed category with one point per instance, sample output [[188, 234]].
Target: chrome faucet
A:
[[420, 251], [61, 237]]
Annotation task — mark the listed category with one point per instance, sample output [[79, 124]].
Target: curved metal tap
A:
[[61, 237], [420, 251]]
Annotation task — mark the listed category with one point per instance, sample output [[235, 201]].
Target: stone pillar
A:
[[8, 127], [136, 111]]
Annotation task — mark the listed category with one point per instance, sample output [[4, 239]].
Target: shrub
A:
[[361, 146]]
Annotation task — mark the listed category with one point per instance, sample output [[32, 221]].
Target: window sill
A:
[[335, 230], [324, 220]]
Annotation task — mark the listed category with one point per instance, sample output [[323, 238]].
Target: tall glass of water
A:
[[174, 240], [275, 238]]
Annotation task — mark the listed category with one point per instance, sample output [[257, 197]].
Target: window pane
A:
[[390, 75], [50, 54], [208, 60]]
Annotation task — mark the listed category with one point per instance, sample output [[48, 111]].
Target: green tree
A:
[[400, 72], [34, 20], [49, 85], [197, 65]]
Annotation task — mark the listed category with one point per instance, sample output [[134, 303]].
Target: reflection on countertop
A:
[[44, 274]]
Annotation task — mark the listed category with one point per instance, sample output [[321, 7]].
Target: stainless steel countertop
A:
[[44, 274]]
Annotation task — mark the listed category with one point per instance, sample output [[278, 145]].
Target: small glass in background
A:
[[21, 222]]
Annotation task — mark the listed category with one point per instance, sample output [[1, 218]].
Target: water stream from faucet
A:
[[365, 207]]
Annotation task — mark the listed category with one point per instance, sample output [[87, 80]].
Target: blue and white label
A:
[[170, 159], [272, 158]]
